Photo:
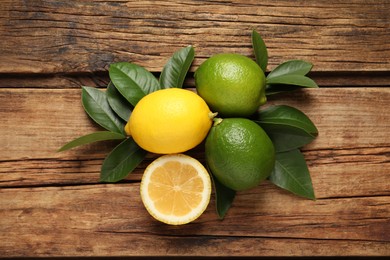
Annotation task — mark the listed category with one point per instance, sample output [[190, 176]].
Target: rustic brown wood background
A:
[[52, 204]]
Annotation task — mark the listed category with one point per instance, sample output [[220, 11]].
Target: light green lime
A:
[[239, 153], [231, 84]]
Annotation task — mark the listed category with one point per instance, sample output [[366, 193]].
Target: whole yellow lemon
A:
[[169, 121]]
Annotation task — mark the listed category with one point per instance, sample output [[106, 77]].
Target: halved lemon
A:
[[175, 189]]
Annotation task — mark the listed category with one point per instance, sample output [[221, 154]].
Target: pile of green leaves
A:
[[288, 128]]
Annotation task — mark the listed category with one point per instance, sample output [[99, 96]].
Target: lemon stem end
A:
[[212, 115]]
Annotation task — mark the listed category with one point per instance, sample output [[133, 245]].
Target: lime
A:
[[169, 121], [239, 153], [231, 84]]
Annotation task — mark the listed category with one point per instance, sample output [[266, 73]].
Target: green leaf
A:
[[224, 197], [175, 71], [287, 115], [118, 103], [122, 160], [96, 105], [132, 81], [279, 88], [288, 76], [291, 173], [287, 127], [90, 138], [295, 67], [286, 138], [260, 50], [293, 79]]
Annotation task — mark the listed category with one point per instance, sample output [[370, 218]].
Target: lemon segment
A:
[[175, 189]]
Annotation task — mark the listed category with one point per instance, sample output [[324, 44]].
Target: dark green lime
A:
[[239, 153]]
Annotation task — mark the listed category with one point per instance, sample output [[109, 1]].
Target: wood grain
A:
[[352, 148], [86, 36], [75, 215], [52, 204], [110, 220]]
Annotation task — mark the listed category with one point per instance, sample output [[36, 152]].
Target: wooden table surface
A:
[[52, 204]]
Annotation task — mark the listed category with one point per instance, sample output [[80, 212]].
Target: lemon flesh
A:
[[169, 121], [175, 189]]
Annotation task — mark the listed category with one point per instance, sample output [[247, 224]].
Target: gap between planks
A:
[[101, 79]]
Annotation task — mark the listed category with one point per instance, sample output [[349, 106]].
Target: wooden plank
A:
[[339, 173], [352, 148], [67, 36], [110, 220], [346, 117]]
